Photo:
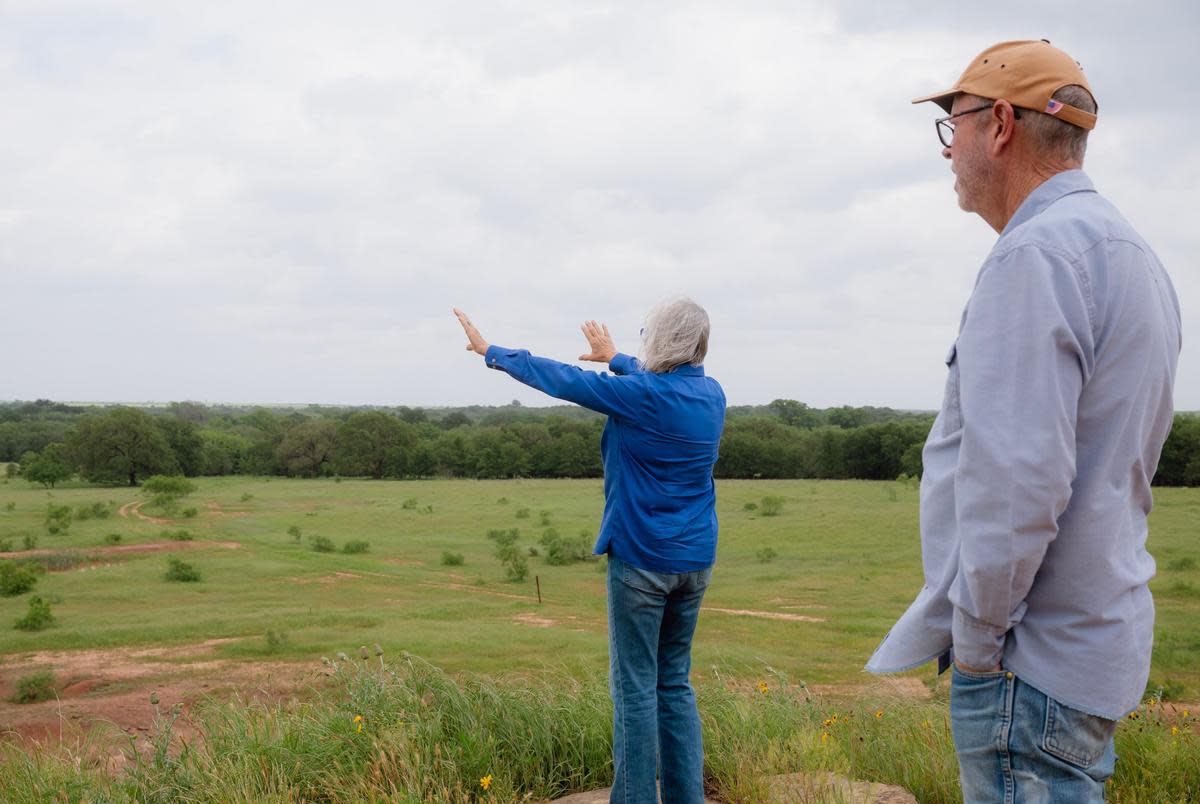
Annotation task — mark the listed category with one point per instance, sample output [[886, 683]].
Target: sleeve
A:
[[1023, 359], [620, 397], [624, 364]]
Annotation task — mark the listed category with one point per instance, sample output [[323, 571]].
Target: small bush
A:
[[427, 509], [96, 510], [766, 555], [177, 536], [322, 544], [355, 546], [533, 552], [771, 506], [112, 538], [15, 579], [452, 559], [37, 618], [276, 641], [247, 497], [516, 566], [294, 532], [522, 513], [560, 551], [189, 513], [58, 518], [29, 542], [503, 538], [39, 686], [6, 546], [1181, 564], [501, 501], [544, 518], [409, 504], [168, 485], [181, 571], [750, 506], [10, 506]]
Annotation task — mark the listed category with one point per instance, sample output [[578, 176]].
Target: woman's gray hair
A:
[[676, 334]]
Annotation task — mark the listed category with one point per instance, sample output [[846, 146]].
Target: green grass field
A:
[[483, 681], [847, 563]]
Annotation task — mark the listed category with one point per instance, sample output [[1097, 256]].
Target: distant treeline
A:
[[785, 439]]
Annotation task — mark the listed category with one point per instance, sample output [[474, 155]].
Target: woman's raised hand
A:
[[599, 341], [476, 343]]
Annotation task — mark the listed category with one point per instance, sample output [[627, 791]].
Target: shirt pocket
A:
[[951, 406]]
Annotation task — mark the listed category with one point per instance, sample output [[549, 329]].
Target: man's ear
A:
[[1002, 121]]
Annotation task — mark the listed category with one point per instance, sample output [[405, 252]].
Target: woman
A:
[[659, 530]]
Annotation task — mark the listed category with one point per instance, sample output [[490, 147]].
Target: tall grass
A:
[[406, 731]]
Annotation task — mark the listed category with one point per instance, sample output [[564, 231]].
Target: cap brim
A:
[[944, 99]]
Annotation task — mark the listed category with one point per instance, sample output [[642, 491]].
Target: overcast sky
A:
[[234, 202]]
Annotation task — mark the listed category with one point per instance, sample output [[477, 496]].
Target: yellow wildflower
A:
[[486, 781], [358, 721], [1133, 715], [828, 722], [925, 724], [1186, 713], [1174, 730], [824, 737], [879, 713], [762, 687]]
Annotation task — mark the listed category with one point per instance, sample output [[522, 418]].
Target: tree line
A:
[[48, 442]]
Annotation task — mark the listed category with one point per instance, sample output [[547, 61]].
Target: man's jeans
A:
[[1017, 745], [651, 619]]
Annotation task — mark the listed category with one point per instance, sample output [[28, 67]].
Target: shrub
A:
[[1180, 564], [294, 532], [533, 552], [560, 551], [522, 513], [58, 518], [766, 555], [355, 546], [771, 506], [10, 506], [247, 497], [168, 485], [427, 509], [501, 501], [750, 506], [112, 538], [29, 541], [322, 544], [516, 566], [276, 641], [37, 618], [409, 504], [544, 518], [15, 579], [177, 536], [503, 538], [452, 559], [6, 545], [181, 571], [35, 687], [96, 510], [189, 513]]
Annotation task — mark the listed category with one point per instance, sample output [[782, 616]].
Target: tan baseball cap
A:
[[1024, 73]]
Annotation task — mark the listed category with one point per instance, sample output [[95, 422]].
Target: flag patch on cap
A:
[[1053, 107]]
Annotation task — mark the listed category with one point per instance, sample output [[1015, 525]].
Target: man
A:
[[1037, 470]]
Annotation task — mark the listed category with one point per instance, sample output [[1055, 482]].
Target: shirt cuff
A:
[[623, 364], [493, 358], [976, 643]]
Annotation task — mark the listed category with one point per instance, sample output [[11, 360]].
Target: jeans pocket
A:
[[970, 676], [651, 583], [1075, 737]]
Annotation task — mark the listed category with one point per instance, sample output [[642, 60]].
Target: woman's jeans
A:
[[1017, 745], [651, 619]]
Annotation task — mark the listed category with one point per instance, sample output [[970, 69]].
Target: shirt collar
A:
[[1049, 191], [688, 370]]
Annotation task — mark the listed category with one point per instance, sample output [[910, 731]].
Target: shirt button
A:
[[1009, 675]]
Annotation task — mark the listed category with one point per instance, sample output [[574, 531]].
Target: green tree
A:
[[795, 414], [119, 446], [50, 467], [186, 445], [306, 447], [370, 442]]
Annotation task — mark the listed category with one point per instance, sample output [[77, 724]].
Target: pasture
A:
[[803, 595]]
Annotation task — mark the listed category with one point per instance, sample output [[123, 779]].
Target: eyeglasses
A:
[[945, 129]]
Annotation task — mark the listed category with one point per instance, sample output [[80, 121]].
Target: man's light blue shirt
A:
[[1036, 484], [659, 447]]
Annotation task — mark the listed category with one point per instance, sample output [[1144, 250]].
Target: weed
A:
[[1182, 564], [294, 532], [29, 541], [38, 617], [322, 544], [452, 559], [501, 501], [277, 641], [247, 497], [181, 571], [112, 538], [410, 504], [15, 579], [6, 546], [522, 513], [189, 513], [766, 555], [10, 506], [544, 518], [355, 546], [750, 506], [39, 686], [177, 536], [504, 538], [771, 506]]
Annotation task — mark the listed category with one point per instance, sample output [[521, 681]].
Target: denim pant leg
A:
[[1019, 746], [680, 746], [651, 618]]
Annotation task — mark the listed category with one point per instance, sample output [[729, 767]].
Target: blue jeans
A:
[[1017, 745], [651, 619]]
